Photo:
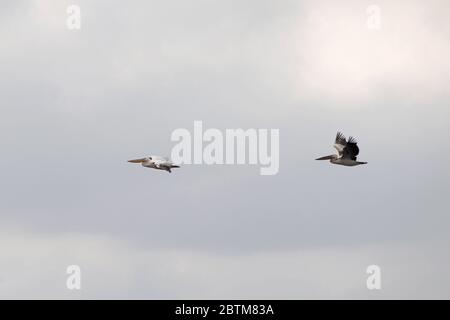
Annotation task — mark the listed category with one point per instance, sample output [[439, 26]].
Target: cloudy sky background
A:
[[75, 105]]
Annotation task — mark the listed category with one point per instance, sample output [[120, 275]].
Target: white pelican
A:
[[156, 162], [347, 150]]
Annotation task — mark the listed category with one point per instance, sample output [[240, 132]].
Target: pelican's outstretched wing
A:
[[165, 165], [340, 143], [351, 150], [164, 162], [347, 149]]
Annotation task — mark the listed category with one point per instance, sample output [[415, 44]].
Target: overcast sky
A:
[[76, 104]]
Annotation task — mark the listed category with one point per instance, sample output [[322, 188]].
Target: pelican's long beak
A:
[[325, 158], [137, 160]]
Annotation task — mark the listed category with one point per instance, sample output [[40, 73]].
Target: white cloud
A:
[[339, 58]]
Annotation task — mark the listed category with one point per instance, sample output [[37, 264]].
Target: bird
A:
[[347, 152], [156, 162]]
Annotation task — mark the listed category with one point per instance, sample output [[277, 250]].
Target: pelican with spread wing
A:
[[156, 162], [347, 152]]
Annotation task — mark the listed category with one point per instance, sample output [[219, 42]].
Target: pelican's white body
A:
[[346, 162], [156, 162]]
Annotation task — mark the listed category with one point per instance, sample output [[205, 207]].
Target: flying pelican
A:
[[156, 162], [347, 150]]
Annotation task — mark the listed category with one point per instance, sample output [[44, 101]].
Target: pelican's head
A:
[[330, 157], [142, 160]]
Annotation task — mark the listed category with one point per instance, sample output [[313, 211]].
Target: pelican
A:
[[156, 162], [347, 152]]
